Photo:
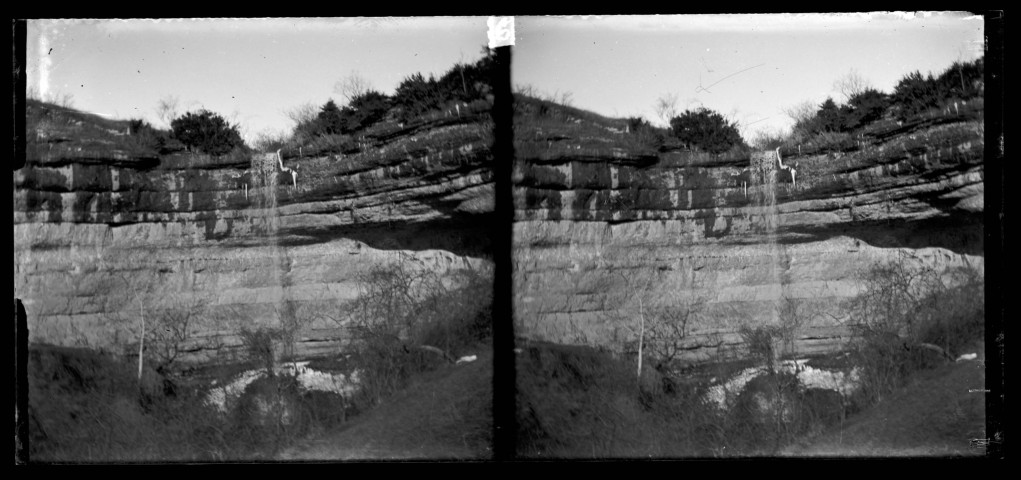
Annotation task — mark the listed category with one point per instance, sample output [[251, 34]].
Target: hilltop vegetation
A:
[[463, 90], [957, 89], [955, 92]]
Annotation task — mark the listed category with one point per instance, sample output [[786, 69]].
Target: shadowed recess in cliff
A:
[[961, 233], [467, 235]]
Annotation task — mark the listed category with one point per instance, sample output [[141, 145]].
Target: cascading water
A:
[[766, 169], [267, 179]]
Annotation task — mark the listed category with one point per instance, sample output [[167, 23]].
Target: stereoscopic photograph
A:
[[251, 240], [286, 239], [749, 236]]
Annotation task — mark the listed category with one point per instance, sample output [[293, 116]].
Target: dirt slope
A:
[[937, 414], [445, 414]]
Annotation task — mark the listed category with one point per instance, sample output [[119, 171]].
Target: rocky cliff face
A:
[[106, 232], [606, 226]]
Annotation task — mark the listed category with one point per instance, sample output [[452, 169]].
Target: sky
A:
[[250, 70], [747, 67]]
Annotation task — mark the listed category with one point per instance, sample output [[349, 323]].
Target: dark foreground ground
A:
[[445, 414], [941, 412]]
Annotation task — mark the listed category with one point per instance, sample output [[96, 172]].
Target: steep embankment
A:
[[107, 230], [603, 219]]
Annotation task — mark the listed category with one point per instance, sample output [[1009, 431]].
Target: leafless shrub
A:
[[565, 98], [802, 114], [269, 141], [171, 328], [409, 318], [907, 312], [260, 346], [770, 139], [793, 316], [666, 107], [303, 113], [526, 89], [351, 86], [851, 85], [762, 343], [658, 327], [167, 109], [64, 99]]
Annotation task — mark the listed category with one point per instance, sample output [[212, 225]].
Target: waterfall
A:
[[266, 180], [765, 169]]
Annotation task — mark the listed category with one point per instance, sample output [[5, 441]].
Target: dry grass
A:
[[54, 133]]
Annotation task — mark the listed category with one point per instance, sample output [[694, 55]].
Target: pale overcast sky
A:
[[746, 66], [250, 70]]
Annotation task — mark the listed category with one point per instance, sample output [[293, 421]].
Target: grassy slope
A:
[[935, 415], [443, 414]]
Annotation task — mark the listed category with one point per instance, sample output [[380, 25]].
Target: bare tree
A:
[[800, 112], [670, 327], [352, 86], [167, 108], [639, 298], [664, 323], [239, 124], [139, 289], [303, 113], [768, 139], [404, 307], [907, 305], [851, 85], [172, 326], [666, 107], [793, 316], [268, 140]]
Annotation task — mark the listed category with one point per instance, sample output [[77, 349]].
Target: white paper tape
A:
[[501, 31]]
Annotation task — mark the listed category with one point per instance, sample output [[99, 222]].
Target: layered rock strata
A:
[[105, 235], [607, 229]]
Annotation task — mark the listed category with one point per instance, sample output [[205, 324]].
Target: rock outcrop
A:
[[606, 225], [107, 231]]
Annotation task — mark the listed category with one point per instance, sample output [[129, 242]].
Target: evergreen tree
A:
[[367, 109], [707, 130], [916, 94], [330, 118], [207, 131], [415, 96], [831, 117], [866, 107]]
